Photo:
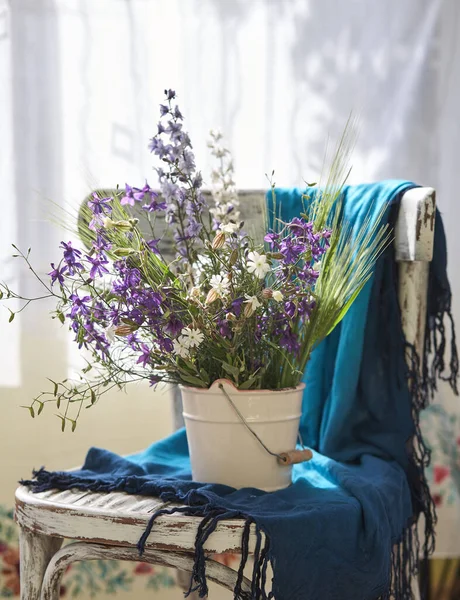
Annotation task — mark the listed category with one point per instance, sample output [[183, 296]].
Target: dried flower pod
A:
[[233, 257], [248, 310], [212, 296], [124, 330], [124, 251], [218, 241], [230, 317], [267, 293], [275, 255], [230, 276]]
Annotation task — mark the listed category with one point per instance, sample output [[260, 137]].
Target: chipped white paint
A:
[[109, 525], [79, 551], [95, 517], [415, 225]]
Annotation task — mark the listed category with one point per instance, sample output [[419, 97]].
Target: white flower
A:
[[229, 227], [253, 301], [220, 285], [191, 337], [180, 349], [257, 264], [107, 223], [110, 333], [277, 296]]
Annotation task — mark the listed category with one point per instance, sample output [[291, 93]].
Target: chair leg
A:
[[183, 581], [36, 550]]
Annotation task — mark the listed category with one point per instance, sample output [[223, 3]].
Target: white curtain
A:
[[80, 84]]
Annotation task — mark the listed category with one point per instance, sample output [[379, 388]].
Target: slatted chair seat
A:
[[109, 525]]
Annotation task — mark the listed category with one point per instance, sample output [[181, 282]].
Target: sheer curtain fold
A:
[[81, 80]]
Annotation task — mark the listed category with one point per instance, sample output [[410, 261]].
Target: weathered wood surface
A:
[[79, 551], [120, 519], [36, 551]]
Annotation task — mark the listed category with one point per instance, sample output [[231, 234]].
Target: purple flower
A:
[[145, 357], [224, 328], [290, 309], [154, 379], [98, 266], [237, 306], [128, 198], [177, 113], [300, 227], [166, 345], [153, 245], [193, 228], [289, 341], [99, 206], [174, 326], [101, 244], [174, 129], [187, 163], [139, 194], [291, 250], [57, 274], [272, 239], [164, 110], [79, 305], [71, 256], [154, 204], [308, 275], [170, 94]]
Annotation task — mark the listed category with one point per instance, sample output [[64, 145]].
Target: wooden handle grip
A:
[[294, 457]]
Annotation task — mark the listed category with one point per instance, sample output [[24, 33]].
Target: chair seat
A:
[[117, 518]]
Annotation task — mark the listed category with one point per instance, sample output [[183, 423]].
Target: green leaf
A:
[[12, 315], [74, 424], [204, 376], [345, 309], [61, 317], [193, 380], [62, 422], [247, 384], [40, 407], [231, 370], [93, 397], [31, 410], [1, 294]]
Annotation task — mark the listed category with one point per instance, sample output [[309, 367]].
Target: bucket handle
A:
[[292, 457]]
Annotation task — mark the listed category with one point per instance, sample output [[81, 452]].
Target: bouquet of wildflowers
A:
[[227, 305]]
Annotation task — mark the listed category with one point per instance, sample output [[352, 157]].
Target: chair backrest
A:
[[414, 235]]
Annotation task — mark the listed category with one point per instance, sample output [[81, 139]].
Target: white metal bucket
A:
[[222, 450]]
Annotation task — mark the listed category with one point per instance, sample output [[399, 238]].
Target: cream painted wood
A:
[[79, 551], [111, 524], [36, 552]]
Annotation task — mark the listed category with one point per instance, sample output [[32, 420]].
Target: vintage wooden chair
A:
[[108, 525]]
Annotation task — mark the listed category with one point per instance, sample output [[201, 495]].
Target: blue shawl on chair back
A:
[[343, 530]]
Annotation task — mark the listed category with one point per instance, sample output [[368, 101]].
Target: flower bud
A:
[[218, 241], [212, 296], [124, 330], [267, 293], [275, 255], [248, 310], [233, 257], [124, 251]]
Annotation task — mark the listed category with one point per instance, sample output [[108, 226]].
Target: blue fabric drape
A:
[[342, 531]]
